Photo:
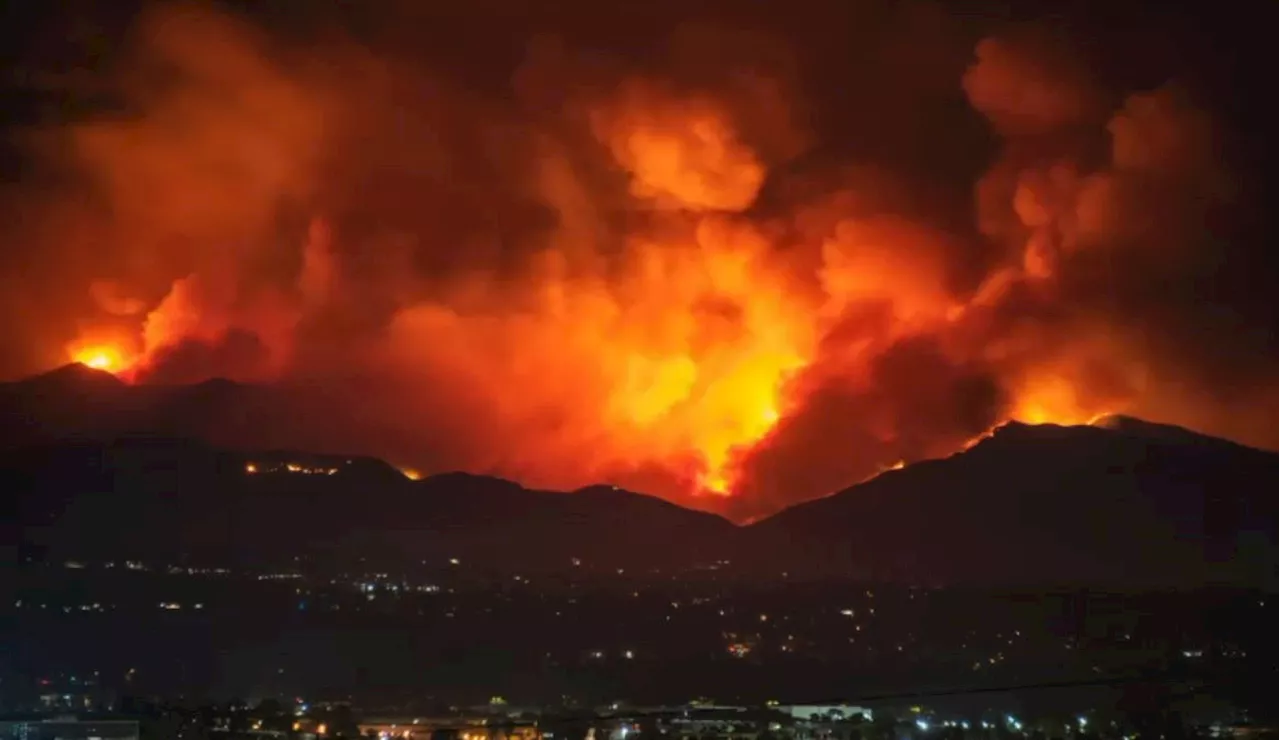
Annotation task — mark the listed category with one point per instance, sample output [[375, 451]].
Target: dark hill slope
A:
[[160, 498], [1126, 503]]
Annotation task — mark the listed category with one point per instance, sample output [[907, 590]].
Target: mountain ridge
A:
[[1121, 499]]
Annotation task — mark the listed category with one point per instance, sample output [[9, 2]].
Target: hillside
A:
[[162, 498], [1124, 502], [101, 468]]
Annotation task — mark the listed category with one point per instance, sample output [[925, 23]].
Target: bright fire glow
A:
[[1055, 399], [295, 468], [104, 357]]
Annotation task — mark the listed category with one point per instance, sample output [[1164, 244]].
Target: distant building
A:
[[397, 728], [68, 728], [59, 702], [451, 728], [828, 712]]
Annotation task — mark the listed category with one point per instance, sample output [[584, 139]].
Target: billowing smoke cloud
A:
[[662, 273]]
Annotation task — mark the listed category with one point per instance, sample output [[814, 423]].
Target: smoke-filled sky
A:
[[735, 254]]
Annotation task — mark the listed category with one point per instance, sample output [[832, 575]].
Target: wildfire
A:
[[718, 446], [645, 283], [106, 357], [1055, 399], [1049, 399], [716, 484], [253, 468]]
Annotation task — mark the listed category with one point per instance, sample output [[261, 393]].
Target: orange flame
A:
[[107, 357]]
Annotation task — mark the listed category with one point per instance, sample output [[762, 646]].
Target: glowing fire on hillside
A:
[[106, 357], [641, 284]]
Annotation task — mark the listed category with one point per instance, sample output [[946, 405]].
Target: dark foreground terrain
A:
[[447, 637]]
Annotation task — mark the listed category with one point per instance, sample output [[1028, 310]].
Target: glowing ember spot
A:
[[970, 444], [410, 473], [899, 465], [272, 468]]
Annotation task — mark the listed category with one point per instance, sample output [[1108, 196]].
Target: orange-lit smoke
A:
[[596, 281]]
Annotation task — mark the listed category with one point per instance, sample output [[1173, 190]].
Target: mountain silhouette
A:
[[174, 500], [99, 468], [1121, 502]]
